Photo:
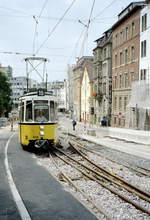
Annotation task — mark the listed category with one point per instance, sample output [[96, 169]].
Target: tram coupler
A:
[[41, 144]]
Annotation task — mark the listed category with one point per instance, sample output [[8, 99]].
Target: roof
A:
[[90, 68], [131, 8], [81, 61], [105, 39]]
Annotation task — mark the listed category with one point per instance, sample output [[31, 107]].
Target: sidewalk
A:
[[138, 136], [134, 142]]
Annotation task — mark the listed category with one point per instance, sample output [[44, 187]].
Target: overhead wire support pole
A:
[[87, 28], [35, 33], [36, 18]]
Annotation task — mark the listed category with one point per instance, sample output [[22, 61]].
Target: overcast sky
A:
[[61, 41]]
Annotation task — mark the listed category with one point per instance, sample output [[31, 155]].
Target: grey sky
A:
[[18, 27]]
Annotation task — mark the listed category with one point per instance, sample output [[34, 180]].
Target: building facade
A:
[[138, 109], [70, 92], [125, 59], [103, 77], [87, 93], [77, 77], [59, 90], [144, 72], [19, 87]]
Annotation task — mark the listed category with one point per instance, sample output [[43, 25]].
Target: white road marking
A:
[[17, 198]]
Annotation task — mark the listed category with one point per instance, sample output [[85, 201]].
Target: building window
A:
[[143, 48], [132, 53], [120, 80], [144, 22], [125, 103], [115, 81], [120, 58], [127, 32], [132, 29], [120, 103], [116, 38], [126, 79], [126, 56], [115, 103], [116, 60], [105, 53], [104, 88], [143, 74], [121, 37], [132, 77]]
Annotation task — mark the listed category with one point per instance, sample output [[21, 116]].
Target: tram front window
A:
[[41, 113]]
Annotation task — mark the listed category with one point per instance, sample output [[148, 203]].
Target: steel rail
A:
[[120, 183], [139, 190], [99, 154], [100, 182], [78, 189], [132, 168]]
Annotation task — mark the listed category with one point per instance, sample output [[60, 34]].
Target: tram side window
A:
[[52, 111], [28, 111], [56, 111], [21, 112]]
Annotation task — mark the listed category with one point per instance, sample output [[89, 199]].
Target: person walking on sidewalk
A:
[[74, 124]]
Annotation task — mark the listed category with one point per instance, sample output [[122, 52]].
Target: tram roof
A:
[[39, 95]]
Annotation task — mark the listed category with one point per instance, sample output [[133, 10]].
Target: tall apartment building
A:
[[125, 59], [103, 77], [144, 73], [19, 86], [138, 109]]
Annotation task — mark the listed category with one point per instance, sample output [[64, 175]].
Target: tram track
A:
[[83, 144], [105, 180], [71, 182]]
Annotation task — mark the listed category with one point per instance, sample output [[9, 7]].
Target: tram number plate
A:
[[35, 137]]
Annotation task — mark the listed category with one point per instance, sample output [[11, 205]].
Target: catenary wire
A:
[[53, 29]]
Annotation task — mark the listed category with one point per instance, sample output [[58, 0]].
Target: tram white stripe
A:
[[17, 198]]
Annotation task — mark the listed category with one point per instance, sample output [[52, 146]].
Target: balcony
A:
[[98, 96]]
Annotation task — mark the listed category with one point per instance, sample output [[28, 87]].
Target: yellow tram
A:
[[38, 119]]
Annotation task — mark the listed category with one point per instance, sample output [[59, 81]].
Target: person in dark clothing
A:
[[104, 122], [74, 124]]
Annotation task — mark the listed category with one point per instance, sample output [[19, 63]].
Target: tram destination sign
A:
[[40, 92]]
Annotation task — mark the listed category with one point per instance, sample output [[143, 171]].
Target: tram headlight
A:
[[42, 133], [41, 127]]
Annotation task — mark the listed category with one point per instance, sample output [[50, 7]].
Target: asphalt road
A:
[[8, 209]]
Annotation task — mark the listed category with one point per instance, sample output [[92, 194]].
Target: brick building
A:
[[125, 59]]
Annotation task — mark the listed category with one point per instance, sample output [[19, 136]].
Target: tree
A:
[[5, 95]]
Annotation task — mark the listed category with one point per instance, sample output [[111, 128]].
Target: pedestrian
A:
[[74, 124], [104, 122], [11, 124]]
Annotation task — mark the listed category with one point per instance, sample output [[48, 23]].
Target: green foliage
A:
[[5, 95]]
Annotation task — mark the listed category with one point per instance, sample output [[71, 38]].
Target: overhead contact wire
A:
[[53, 29]]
